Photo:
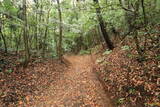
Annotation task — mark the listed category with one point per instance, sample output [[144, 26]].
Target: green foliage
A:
[[132, 91], [121, 101], [8, 7], [129, 55], [9, 71], [125, 48], [158, 57], [107, 52], [77, 20], [84, 52]]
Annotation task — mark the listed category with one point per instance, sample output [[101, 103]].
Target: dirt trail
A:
[[78, 87]]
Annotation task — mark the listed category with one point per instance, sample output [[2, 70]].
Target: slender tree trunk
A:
[[144, 13], [36, 26], [60, 31], [25, 36], [137, 43], [18, 42], [56, 40], [40, 27], [102, 26], [36, 32], [45, 34], [3, 36], [145, 24], [4, 40]]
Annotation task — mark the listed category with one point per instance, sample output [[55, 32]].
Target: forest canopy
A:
[[59, 26]]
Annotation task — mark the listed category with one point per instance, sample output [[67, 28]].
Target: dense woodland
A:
[[122, 36]]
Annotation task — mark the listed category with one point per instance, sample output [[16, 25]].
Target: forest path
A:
[[78, 87]]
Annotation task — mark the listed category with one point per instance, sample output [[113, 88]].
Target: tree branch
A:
[[126, 9]]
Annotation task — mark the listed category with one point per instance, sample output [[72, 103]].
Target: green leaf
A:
[[126, 47], [121, 100], [158, 57], [83, 52], [107, 52], [132, 91], [129, 55], [9, 71]]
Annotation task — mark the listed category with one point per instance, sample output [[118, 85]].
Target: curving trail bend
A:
[[78, 87]]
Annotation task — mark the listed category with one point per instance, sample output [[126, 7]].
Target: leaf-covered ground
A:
[[78, 87], [130, 80], [20, 86], [52, 84]]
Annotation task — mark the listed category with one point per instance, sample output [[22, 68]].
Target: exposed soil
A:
[[51, 84], [78, 87]]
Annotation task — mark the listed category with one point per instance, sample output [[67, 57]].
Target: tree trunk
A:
[[144, 13], [36, 26], [4, 40], [137, 43], [40, 27], [3, 36], [25, 36], [45, 34], [102, 26], [18, 42], [36, 33], [60, 31], [145, 24]]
